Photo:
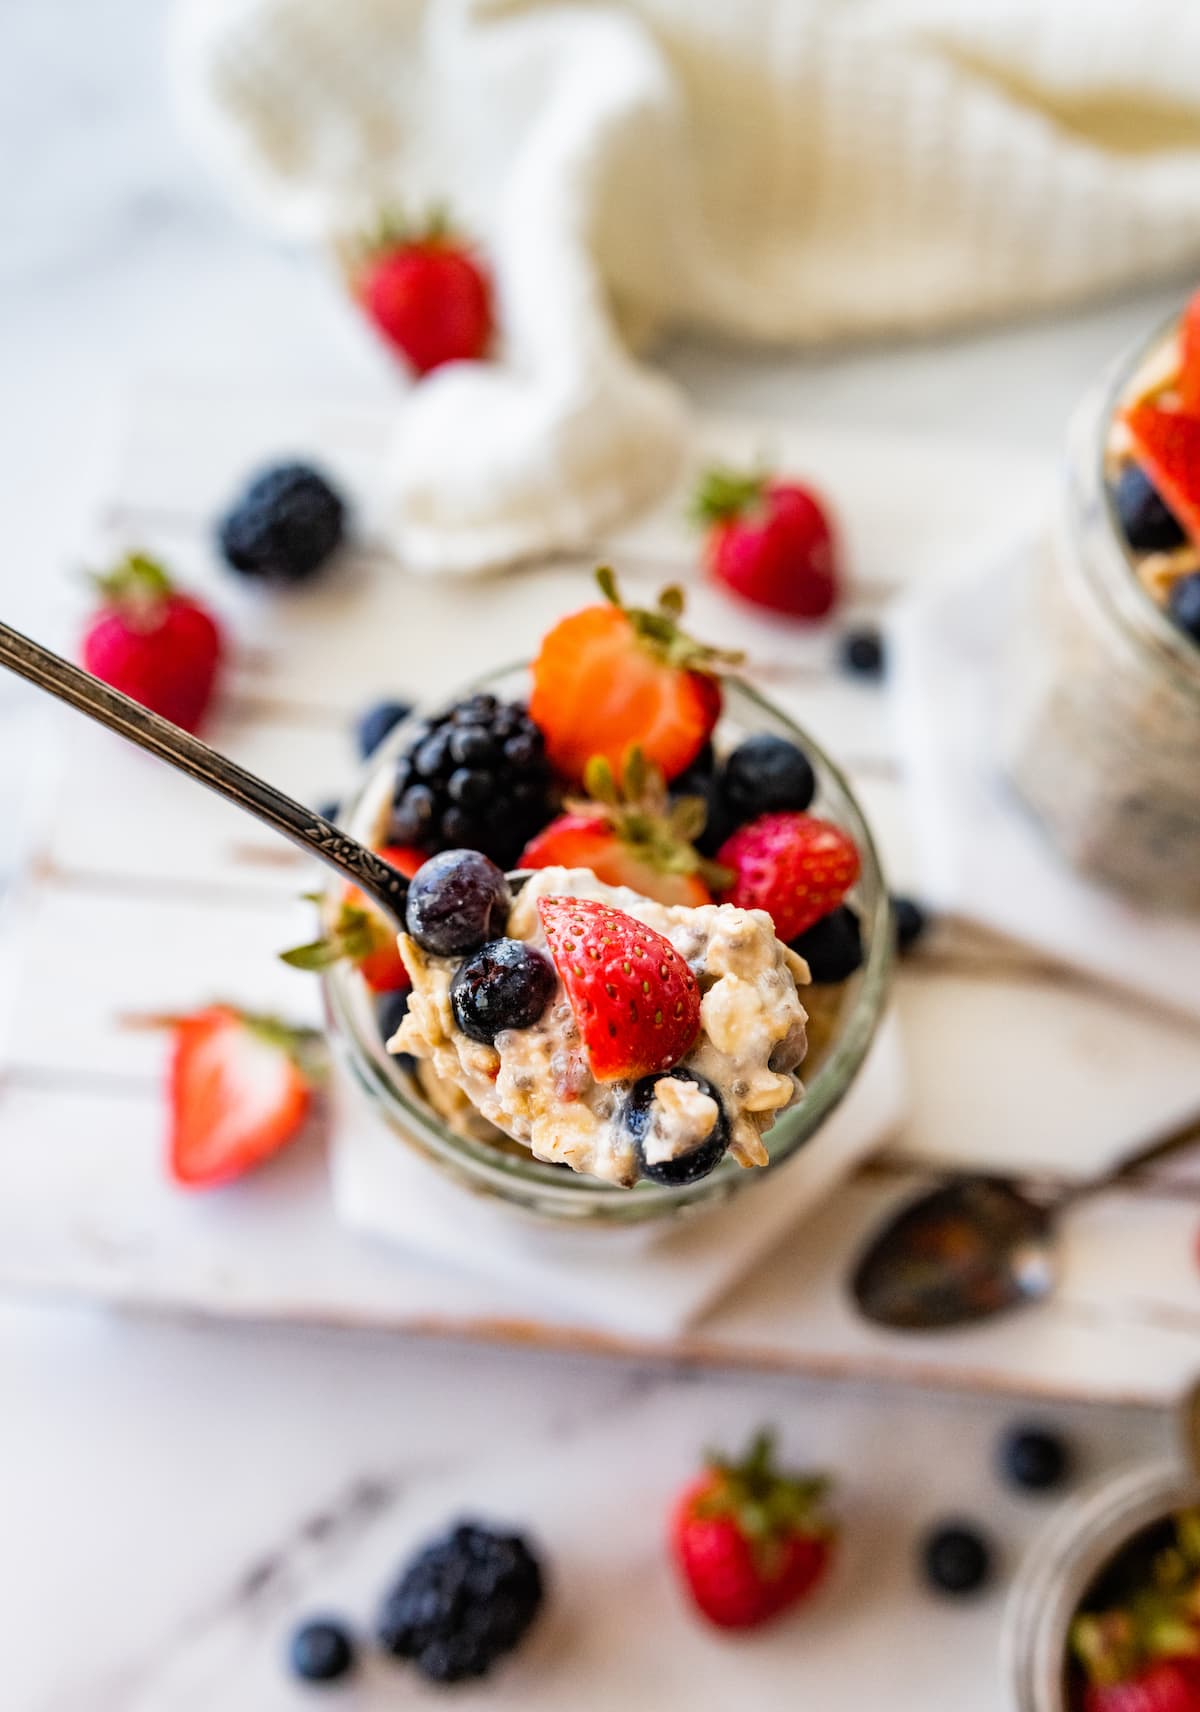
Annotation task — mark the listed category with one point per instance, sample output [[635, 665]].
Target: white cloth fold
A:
[[787, 170]]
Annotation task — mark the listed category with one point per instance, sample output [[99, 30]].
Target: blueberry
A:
[[505, 985], [456, 901], [390, 1011], [862, 652], [1035, 1458], [376, 723], [284, 526], [638, 1118], [700, 781], [1183, 605], [832, 947], [956, 1558], [766, 774], [329, 810], [909, 920], [321, 1651], [1147, 522]]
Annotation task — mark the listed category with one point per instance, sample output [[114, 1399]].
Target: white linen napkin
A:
[[783, 172], [651, 1281], [981, 854]]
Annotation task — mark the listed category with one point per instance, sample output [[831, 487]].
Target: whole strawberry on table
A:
[[425, 291]]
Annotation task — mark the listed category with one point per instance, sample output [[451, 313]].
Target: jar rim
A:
[[480, 1163]]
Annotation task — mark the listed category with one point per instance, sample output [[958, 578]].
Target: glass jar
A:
[[1101, 727], [1084, 1537], [842, 1019]]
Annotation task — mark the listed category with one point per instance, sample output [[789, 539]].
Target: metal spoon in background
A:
[[979, 1245], [314, 834]]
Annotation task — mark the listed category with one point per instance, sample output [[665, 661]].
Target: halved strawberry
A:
[[611, 676], [361, 934], [636, 1002], [630, 834], [1189, 354], [794, 866], [1168, 448], [240, 1089]]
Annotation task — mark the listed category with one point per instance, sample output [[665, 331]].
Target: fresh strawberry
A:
[[240, 1089], [750, 1541], [630, 834], [794, 866], [609, 677], [426, 292], [361, 934], [155, 644], [1189, 354], [1170, 1685], [635, 1000], [1168, 448], [769, 541]]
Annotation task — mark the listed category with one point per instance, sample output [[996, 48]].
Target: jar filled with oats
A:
[[1102, 711]]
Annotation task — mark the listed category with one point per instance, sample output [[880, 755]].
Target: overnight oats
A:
[[1103, 688], [647, 941]]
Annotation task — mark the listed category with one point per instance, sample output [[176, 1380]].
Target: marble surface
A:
[[149, 1467]]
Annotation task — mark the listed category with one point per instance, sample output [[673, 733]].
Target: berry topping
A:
[[766, 773], [390, 1011], [457, 901], [475, 777], [832, 947], [862, 652], [321, 1650], [794, 866], [910, 921], [1189, 353], [1138, 1646], [611, 676], [462, 1603], [361, 934], [507, 984], [377, 723], [153, 643], [1183, 605], [425, 291], [1034, 1458], [636, 1002], [630, 834], [240, 1089], [649, 1117], [769, 541], [1148, 524], [749, 1540], [956, 1558], [701, 780], [284, 526], [1168, 447]]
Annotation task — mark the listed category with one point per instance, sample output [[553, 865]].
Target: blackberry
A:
[[475, 777], [462, 1603], [283, 526], [321, 1650], [639, 1119]]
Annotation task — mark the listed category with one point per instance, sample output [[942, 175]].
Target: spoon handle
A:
[[1174, 1140], [319, 837]]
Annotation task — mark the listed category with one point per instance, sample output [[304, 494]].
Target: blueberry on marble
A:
[[909, 919], [284, 526], [862, 652], [764, 775], [956, 1558], [1183, 605], [832, 947], [1035, 1458], [506, 984], [638, 1118], [377, 723], [321, 1650], [457, 901], [1147, 522]]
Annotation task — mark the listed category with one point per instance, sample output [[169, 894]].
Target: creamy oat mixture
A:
[[535, 1084]]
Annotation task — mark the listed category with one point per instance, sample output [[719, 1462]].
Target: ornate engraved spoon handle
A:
[[80, 690]]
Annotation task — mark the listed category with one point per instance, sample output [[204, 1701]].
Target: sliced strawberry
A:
[[240, 1089], [361, 934], [1168, 448], [610, 677], [1189, 354], [794, 866], [635, 1001]]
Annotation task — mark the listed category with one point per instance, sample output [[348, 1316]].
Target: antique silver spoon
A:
[[314, 834], [979, 1245]]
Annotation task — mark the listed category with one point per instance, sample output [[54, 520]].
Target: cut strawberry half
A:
[[1168, 448], [362, 935], [240, 1089], [1189, 354]]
